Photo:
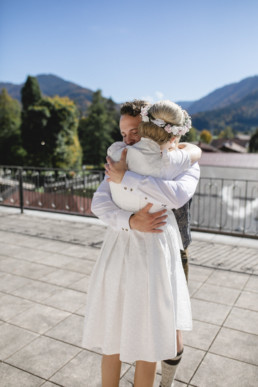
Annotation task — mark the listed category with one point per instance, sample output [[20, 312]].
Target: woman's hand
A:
[[116, 170]]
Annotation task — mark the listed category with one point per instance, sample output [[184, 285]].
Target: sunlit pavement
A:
[[45, 264]]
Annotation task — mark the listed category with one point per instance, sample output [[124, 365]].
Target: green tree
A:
[[205, 136], [11, 150], [49, 129], [191, 136], [95, 131], [227, 132], [30, 92], [253, 144]]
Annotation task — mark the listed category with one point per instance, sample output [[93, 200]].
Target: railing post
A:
[[21, 189]]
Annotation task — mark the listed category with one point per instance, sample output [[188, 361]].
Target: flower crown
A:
[[170, 128]]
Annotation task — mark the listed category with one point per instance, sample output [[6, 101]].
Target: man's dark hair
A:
[[133, 108]]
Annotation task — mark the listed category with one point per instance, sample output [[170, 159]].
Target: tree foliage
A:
[[253, 144], [97, 130], [191, 136], [30, 93], [205, 136], [226, 133], [49, 131], [11, 151]]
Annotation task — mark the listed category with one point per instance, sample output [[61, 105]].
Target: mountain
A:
[[241, 116], [225, 96], [51, 85]]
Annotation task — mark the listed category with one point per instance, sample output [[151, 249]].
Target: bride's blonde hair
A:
[[167, 111]]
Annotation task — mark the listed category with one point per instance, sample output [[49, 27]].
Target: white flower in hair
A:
[[144, 113]]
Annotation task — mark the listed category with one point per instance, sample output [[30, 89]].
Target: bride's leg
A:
[[145, 372], [111, 367]]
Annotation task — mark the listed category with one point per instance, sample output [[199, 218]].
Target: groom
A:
[[171, 194]]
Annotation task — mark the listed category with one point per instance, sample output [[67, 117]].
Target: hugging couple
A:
[[138, 301]]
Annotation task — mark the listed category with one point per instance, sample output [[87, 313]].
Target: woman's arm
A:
[[193, 150]]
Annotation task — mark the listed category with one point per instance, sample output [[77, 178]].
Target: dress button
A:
[[146, 198], [126, 229], [123, 229], [125, 187], [131, 189]]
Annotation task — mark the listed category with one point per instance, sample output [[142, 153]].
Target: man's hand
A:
[[116, 170], [146, 222]]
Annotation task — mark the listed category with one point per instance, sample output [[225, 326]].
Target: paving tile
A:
[[243, 320], [82, 309], [82, 252], [80, 265], [12, 339], [11, 306], [218, 371], [83, 370], [39, 318], [69, 330], [193, 286], [63, 277], [246, 349], [219, 294], [198, 273], [252, 284], [81, 285], [49, 384], [36, 290], [23, 268], [9, 282], [13, 377], [201, 336], [128, 379], [228, 279], [209, 311], [55, 260], [248, 300], [190, 360], [43, 357], [66, 299]]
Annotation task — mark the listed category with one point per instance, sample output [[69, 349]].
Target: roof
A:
[[240, 160]]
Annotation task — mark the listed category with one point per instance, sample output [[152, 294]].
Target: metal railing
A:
[[219, 205]]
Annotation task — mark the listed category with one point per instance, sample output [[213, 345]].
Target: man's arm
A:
[[171, 193]]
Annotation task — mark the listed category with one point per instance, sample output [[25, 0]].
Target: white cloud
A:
[[148, 98], [159, 95]]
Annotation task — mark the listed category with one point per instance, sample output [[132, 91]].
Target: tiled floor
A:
[[45, 266]]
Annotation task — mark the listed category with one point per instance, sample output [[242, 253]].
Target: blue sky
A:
[[180, 50]]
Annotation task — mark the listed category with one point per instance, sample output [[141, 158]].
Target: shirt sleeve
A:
[[169, 193], [175, 162], [106, 210]]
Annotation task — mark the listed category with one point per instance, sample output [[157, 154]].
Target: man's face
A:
[[129, 128]]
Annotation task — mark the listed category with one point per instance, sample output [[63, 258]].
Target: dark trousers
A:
[[184, 257]]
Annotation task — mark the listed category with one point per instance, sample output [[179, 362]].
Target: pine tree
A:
[[30, 92]]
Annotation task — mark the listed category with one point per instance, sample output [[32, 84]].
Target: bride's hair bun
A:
[[167, 111]]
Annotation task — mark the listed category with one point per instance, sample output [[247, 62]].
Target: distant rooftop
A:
[[238, 160]]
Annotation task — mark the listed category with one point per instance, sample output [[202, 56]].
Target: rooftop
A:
[[45, 265], [246, 160]]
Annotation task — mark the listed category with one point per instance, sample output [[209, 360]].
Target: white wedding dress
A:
[[138, 295]]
